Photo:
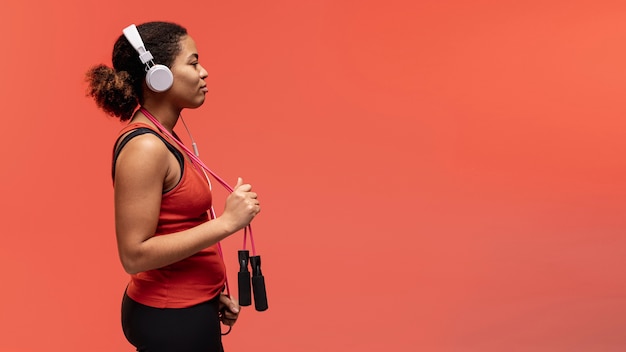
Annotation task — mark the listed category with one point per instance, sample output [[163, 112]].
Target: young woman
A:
[[174, 301]]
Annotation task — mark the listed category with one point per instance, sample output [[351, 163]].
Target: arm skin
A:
[[143, 168]]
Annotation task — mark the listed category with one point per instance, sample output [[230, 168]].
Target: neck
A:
[[167, 116]]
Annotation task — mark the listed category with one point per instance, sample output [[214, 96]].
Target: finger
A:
[[228, 322], [246, 187], [224, 300], [239, 182], [230, 316], [231, 304], [234, 307]]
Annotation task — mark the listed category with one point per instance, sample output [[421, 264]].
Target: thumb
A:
[[239, 182], [229, 302], [234, 308], [233, 305]]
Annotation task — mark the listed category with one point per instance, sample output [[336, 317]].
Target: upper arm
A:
[[140, 171]]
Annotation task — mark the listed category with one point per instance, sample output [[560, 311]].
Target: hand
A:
[[241, 206], [229, 310]]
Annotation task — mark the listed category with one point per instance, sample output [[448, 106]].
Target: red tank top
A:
[[193, 280]]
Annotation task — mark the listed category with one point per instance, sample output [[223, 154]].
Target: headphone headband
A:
[[132, 34]]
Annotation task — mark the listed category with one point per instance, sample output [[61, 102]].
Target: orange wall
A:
[[435, 175]]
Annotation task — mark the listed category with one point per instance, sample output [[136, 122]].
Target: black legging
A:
[[193, 329]]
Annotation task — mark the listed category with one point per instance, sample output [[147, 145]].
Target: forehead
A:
[[187, 48]]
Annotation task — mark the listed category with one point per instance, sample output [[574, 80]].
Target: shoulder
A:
[[143, 154]]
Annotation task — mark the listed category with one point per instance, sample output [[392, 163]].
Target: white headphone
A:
[[159, 78]]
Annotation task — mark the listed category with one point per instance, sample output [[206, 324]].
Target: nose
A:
[[203, 73]]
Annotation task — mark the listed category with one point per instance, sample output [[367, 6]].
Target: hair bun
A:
[[112, 91]]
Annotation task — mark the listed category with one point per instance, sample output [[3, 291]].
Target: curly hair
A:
[[119, 90]]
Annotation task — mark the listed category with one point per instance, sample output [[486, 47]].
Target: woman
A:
[[165, 239]]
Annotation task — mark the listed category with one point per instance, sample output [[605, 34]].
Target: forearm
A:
[[159, 251]]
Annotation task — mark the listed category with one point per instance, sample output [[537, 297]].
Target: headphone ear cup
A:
[[159, 78]]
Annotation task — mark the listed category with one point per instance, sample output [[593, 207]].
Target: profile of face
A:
[[189, 88]]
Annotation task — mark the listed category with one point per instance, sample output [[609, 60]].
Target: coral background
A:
[[435, 175]]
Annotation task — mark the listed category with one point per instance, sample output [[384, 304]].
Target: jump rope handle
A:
[[258, 281], [258, 284], [245, 299]]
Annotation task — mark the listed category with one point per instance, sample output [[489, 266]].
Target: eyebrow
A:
[[194, 56]]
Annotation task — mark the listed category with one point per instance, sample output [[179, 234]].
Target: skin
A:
[[146, 168]]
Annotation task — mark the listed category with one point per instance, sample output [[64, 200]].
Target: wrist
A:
[[223, 226]]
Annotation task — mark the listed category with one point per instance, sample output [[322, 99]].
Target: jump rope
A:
[[245, 259], [159, 78]]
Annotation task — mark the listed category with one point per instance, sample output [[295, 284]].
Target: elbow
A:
[[130, 269], [130, 264]]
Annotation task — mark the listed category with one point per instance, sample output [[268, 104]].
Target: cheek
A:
[[182, 75], [182, 85], [180, 80]]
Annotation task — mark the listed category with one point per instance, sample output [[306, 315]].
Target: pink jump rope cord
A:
[[199, 163]]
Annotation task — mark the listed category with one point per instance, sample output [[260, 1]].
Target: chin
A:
[[196, 104]]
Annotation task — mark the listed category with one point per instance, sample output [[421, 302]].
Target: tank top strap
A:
[[137, 129]]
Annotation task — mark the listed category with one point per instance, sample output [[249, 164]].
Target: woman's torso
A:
[[192, 280]]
